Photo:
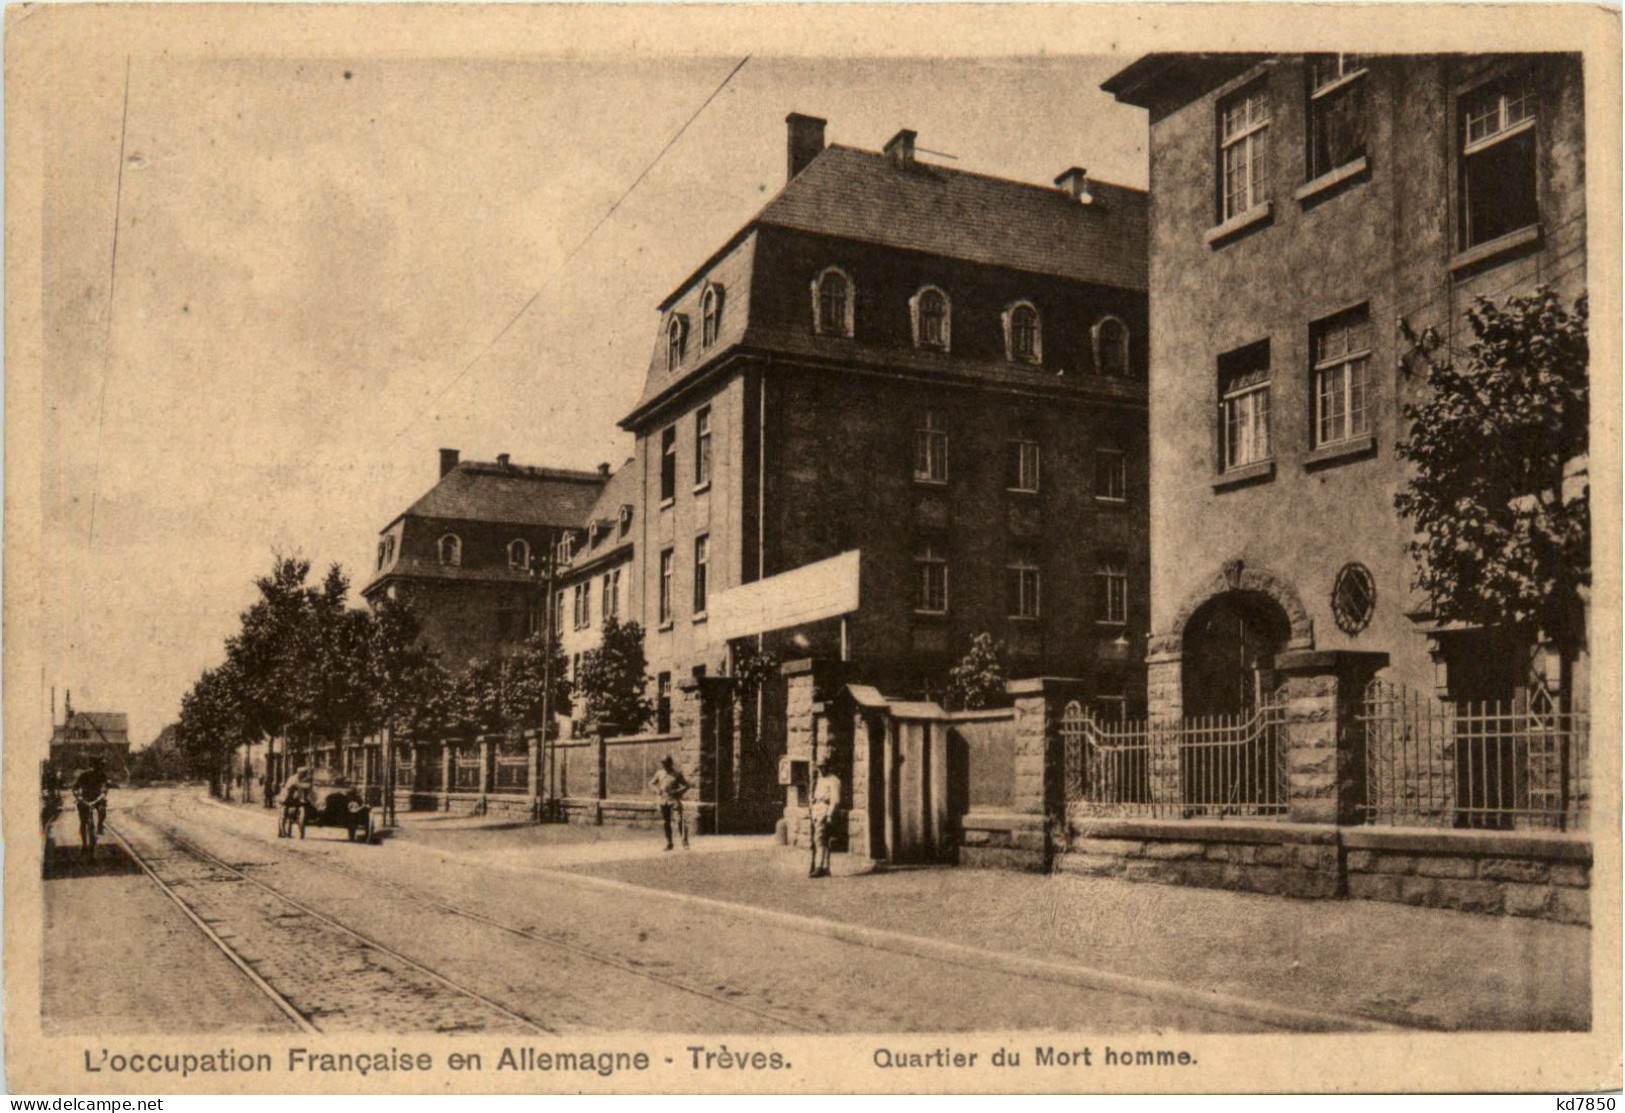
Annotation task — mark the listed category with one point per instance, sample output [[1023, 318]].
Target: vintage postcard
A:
[[921, 548]]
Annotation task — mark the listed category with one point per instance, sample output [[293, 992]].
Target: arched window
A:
[[519, 554], [451, 550], [710, 315], [832, 303], [931, 316], [676, 340], [1023, 333], [1111, 346]]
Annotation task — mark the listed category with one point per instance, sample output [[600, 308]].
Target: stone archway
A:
[[1165, 656]]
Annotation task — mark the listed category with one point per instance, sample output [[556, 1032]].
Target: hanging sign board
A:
[[823, 589]]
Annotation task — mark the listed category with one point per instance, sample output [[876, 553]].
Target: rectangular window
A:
[[1244, 405], [702, 552], [663, 703], [575, 669], [1111, 582], [1243, 151], [1021, 465], [575, 607], [1342, 375], [1111, 475], [1336, 111], [586, 605], [611, 605], [668, 463], [1021, 588], [1498, 193], [931, 579], [702, 447], [931, 449], [558, 614], [665, 586]]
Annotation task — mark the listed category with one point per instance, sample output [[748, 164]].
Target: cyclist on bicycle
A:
[[90, 796], [669, 784]]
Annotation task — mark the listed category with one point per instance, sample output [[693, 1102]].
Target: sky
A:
[[319, 260]]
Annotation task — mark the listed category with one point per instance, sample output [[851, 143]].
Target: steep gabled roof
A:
[[864, 195], [621, 490], [922, 208], [484, 492]]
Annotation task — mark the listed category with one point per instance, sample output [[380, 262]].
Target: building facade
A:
[[593, 573], [465, 555], [1319, 226], [921, 391]]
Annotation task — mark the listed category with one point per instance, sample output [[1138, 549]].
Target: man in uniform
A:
[[826, 804], [669, 784]]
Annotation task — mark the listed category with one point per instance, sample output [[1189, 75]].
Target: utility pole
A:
[[545, 741]]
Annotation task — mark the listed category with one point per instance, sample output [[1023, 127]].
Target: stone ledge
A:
[[1479, 844], [1184, 830], [1001, 820]]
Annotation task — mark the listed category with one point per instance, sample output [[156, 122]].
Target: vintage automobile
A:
[[330, 802]]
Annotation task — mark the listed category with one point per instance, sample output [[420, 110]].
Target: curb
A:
[[959, 954]]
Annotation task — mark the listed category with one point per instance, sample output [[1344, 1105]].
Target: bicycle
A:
[[92, 820]]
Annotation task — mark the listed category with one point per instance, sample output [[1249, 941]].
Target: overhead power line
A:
[[593, 231]]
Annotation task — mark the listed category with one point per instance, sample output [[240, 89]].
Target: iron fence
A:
[[512, 773], [1511, 764], [1210, 766], [467, 770]]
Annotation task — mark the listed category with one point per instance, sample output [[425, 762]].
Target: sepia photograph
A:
[[791, 549]]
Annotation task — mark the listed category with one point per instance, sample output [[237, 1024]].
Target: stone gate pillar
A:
[[1323, 690], [1040, 763]]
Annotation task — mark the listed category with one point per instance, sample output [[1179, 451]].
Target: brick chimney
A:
[[502, 459], [603, 471], [900, 149], [1075, 181], [448, 461], [806, 141]]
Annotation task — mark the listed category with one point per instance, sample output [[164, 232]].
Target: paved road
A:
[[391, 938]]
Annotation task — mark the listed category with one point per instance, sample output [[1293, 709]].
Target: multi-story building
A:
[[1319, 225], [903, 405], [465, 554], [593, 571]]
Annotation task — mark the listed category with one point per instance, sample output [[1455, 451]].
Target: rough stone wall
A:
[[1542, 877]]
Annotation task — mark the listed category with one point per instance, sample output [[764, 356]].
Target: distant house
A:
[[464, 554], [86, 736]]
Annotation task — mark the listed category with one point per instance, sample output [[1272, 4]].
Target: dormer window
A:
[[832, 303], [676, 341], [519, 554], [1023, 334], [626, 519], [1110, 337], [930, 314], [451, 550], [389, 548], [380, 554], [710, 315]]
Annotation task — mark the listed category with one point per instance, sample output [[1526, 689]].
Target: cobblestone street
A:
[[397, 938]]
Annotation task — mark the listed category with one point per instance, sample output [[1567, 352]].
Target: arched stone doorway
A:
[[1229, 645]]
